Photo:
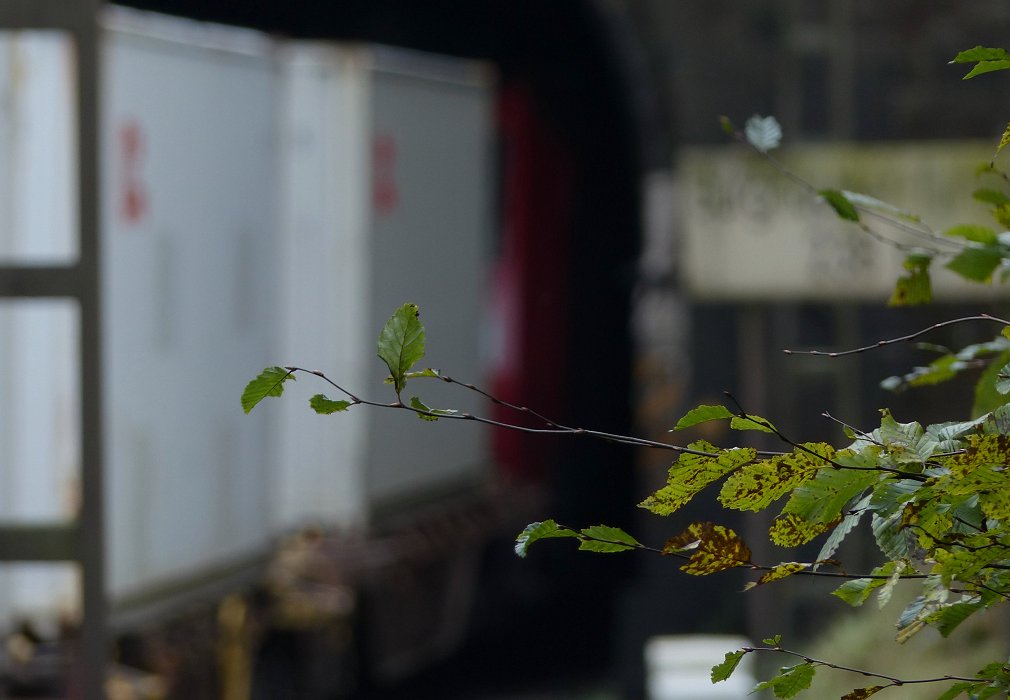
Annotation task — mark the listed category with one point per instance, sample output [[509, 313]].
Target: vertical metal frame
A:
[[80, 281]]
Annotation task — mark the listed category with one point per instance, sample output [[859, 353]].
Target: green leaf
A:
[[1002, 214], [988, 196], [606, 539], [962, 687], [905, 443], [822, 498], [790, 681], [891, 535], [1003, 380], [977, 262], [947, 435], [973, 232], [873, 204], [884, 594], [986, 60], [890, 496], [995, 671], [727, 126], [325, 406], [948, 617], [1003, 141], [751, 422], [692, 473], [419, 405], [724, 670], [269, 383], [701, 414], [842, 530], [980, 53], [763, 133], [987, 398], [996, 422], [856, 591], [540, 531], [772, 641], [401, 344], [840, 203], [914, 286], [987, 67], [939, 370]]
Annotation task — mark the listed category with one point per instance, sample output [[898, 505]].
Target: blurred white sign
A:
[[751, 233]]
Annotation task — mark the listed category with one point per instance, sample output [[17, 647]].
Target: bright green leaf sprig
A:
[[986, 60], [598, 538], [401, 346]]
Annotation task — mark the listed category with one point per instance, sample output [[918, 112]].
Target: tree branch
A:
[[901, 339], [891, 680]]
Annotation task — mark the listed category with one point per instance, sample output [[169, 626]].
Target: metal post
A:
[[93, 654], [80, 281], [764, 609]]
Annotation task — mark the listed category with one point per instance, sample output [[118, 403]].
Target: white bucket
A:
[[680, 668]]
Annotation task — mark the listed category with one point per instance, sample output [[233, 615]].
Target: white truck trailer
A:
[[263, 202]]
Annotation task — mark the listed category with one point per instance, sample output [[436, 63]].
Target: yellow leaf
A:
[[781, 571], [1004, 140]]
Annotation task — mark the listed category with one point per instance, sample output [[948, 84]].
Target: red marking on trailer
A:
[[133, 198], [385, 192]]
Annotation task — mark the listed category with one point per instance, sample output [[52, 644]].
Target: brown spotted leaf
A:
[[692, 473], [757, 485], [982, 468], [791, 530], [861, 693], [716, 548], [982, 451]]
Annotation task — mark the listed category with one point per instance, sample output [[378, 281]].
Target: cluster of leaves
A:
[[935, 497]]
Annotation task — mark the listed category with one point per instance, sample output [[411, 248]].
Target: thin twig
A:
[[892, 680], [862, 434], [558, 430], [901, 339]]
